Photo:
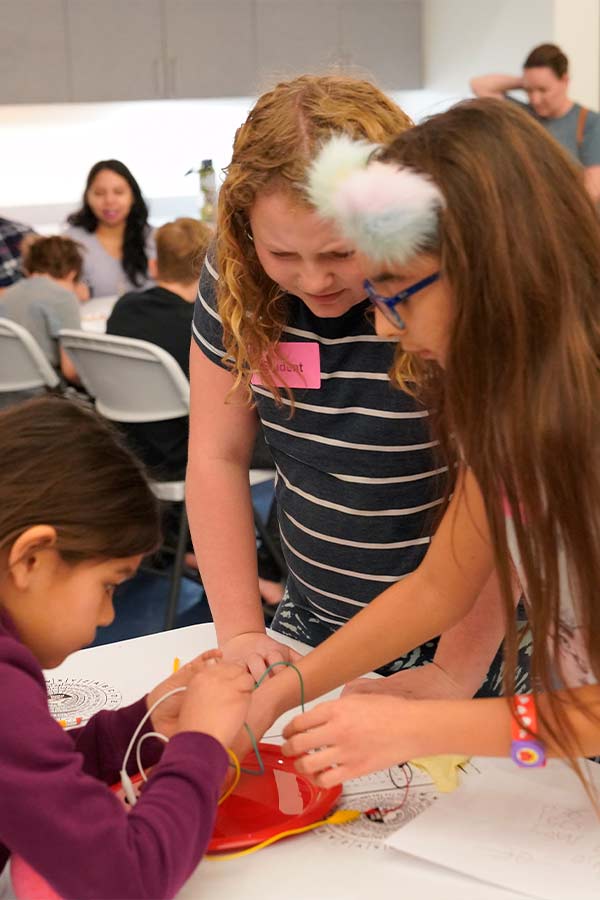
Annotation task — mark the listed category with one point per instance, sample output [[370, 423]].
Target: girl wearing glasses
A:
[[282, 331], [482, 251]]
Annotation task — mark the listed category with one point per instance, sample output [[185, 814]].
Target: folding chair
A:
[[136, 381], [23, 364]]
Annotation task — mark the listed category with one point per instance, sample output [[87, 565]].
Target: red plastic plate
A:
[[265, 805]]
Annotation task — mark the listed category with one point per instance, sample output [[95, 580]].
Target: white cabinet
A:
[[210, 48], [33, 51], [115, 49]]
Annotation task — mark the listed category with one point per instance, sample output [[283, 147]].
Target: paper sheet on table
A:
[[531, 831]]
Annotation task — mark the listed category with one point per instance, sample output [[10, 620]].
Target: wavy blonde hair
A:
[[272, 151]]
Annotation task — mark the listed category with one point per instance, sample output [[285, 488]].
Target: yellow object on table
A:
[[442, 769]]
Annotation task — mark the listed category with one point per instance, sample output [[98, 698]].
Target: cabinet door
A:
[[296, 38], [115, 49], [33, 57], [211, 48], [383, 38]]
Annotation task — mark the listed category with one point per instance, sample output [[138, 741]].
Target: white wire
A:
[[138, 749], [125, 779]]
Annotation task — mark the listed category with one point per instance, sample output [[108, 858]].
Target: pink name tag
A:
[[295, 364]]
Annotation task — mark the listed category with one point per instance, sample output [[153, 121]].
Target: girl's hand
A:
[[428, 682], [257, 651], [346, 738], [216, 701], [165, 718]]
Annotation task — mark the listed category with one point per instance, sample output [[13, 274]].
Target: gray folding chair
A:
[[136, 381], [24, 368]]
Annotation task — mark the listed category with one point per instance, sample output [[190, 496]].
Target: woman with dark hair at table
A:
[[112, 225]]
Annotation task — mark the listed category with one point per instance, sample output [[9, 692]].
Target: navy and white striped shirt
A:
[[358, 486]]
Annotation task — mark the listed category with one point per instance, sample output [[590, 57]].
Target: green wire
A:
[[253, 741], [259, 759], [288, 665]]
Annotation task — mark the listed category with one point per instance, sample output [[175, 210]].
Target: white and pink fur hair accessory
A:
[[389, 212]]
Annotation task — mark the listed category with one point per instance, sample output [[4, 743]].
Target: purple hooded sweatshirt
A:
[[57, 812]]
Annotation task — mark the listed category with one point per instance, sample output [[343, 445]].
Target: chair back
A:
[[23, 364], [130, 380]]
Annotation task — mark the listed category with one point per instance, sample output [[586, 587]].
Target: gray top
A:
[[103, 273], [43, 307], [564, 130]]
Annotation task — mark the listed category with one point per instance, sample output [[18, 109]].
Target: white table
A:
[[95, 313], [306, 867]]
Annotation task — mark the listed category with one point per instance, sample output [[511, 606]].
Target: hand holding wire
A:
[[334, 740], [216, 701], [165, 718]]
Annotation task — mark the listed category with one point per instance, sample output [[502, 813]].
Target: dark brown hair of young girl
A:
[[62, 465], [271, 152], [519, 243]]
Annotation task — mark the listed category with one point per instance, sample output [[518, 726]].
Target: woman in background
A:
[[112, 225]]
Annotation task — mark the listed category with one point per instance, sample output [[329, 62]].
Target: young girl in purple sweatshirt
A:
[[76, 516]]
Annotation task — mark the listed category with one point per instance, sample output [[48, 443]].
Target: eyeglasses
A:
[[389, 305]]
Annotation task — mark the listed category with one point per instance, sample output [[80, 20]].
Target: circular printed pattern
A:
[[72, 701], [362, 834]]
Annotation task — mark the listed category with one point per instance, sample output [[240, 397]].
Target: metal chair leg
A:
[[173, 600]]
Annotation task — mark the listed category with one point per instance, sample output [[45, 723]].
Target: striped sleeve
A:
[[207, 328]]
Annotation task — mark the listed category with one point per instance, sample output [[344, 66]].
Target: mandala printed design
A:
[[72, 701]]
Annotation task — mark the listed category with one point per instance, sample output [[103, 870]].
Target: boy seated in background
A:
[[162, 315], [49, 296]]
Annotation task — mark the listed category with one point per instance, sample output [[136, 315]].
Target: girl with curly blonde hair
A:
[[282, 333]]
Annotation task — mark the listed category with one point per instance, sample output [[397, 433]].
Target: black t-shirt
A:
[[165, 319]]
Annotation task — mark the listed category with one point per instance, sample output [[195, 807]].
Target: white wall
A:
[[470, 37], [463, 38], [47, 150], [577, 31]]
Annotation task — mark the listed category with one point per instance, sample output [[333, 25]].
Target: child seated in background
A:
[[77, 515], [48, 298], [163, 314]]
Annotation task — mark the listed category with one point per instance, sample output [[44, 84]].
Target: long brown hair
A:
[[61, 465], [272, 151], [519, 243]]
